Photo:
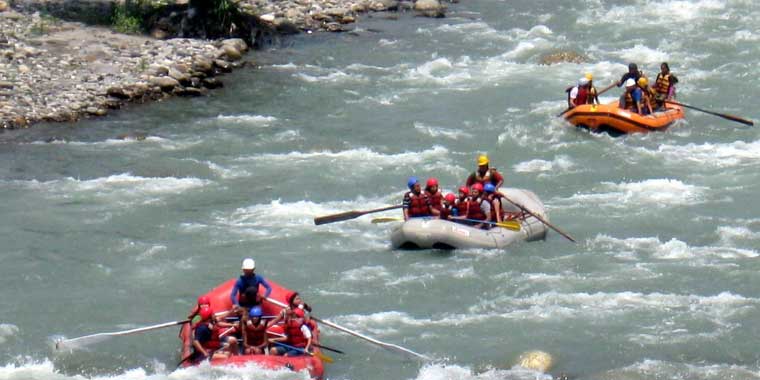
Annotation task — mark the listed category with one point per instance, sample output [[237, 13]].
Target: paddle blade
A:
[[737, 119], [512, 225], [386, 219], [324, 357], [81, 342], [337, 217]]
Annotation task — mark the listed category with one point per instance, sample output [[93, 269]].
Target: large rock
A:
[[429, 8], [3, 6], [384, 5], [165, 83], [562, 56], [237, 43]]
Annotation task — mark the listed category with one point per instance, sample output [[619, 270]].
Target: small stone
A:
[[6, 85], [212, 83]]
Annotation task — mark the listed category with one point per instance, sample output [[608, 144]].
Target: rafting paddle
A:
[[386, 219], [542, 220], [508, 224], [349, 215], [99, 337], [385, 345], [313, 344], [723, 115], [301, 350]]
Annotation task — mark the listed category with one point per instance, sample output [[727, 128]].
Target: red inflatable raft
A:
[[220, 301]]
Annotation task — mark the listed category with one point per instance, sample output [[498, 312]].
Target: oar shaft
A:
[[350, 215], [542, 220], [356, 334], [723, 115]]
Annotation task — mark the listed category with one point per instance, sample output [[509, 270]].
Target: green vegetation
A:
[[128, 16], [43, 26]]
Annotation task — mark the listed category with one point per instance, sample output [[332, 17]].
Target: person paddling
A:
[[579, 94], [484, 174], [593, 94], [245, 293], [633, 73], [211, 338], [416, 203]]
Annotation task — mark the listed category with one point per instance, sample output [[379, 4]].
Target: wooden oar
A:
[[358, 335], [386, 219], [542, 220], [723, 115], [349, 215], [301, 350], [99, 337], [508, 224], [313, 344]]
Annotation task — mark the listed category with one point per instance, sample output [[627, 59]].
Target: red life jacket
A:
[[436, 199], [474, 211], [293, 331], [582, 96], [418, 205], [255, 334]]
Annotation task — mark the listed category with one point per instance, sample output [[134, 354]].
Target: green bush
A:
[[128, 17]]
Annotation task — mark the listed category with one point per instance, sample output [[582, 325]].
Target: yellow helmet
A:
[[643, 81], [482, 160], [589, 76]]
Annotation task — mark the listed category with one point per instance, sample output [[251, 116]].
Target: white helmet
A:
[[249, 264], [630, 82], [583, 81]]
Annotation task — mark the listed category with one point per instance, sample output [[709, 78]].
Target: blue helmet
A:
[[489, 188], [255, 312], [411, 182]]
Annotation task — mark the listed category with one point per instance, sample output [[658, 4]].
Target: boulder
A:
[[6, 85], [383, 5], [117, 92], [212, 83], [237, 43], [429, 8], [203, 65], [3, 6], [188, 91], [562, 56], [165, 83], [230, 52]]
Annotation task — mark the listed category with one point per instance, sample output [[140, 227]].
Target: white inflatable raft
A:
[[426, 233]]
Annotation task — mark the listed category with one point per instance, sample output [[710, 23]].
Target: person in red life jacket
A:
[[448, 207], [485, 174], [434, 195], [245, 293], [194, 316], [213, 338], [416, 203], [478, 208], [494, 197], [254, 333], [579, 94], [297, 333]]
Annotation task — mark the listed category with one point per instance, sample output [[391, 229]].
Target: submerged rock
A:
[[562, 56]]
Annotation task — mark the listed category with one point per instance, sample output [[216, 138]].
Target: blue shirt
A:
[[636, 94], [244, 283]]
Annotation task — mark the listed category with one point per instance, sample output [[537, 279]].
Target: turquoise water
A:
[[104, 234]]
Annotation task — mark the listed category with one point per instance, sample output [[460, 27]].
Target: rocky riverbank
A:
[[55, 70]]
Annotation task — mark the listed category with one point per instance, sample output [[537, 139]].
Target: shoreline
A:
[[53, 70]]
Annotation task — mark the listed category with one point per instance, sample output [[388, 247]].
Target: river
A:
[[102, 233]]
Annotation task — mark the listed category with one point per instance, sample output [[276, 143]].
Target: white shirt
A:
[[574, 92]]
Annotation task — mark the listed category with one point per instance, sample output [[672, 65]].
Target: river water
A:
[[105, 234]]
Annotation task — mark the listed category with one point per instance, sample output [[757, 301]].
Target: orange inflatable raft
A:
[[220, 301], [609, 118]]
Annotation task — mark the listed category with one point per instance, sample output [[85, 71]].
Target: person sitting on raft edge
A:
[[484, 174], [416, 203]]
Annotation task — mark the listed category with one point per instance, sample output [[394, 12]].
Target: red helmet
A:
[[206, 313], [478, 186], [204, 300], [432, 182], [450, 197], [465, 190]]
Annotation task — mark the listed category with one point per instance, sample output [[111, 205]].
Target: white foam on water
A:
[[672, 249], [7, 332], [644, 55], [386, 42], [561, 164], [440, 371], [45, 370], [366, 273], [249, 120], [334, 77], [659, 13], [660, 193], [148, 141], [731, 235], [440, 71], [351, 157], [121, 187], [646, 369], [715, 155], [453, 134]]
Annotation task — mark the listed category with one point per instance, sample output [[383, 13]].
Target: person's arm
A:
[[234, 292], [262, 281], [470, 180], [307, 334], [276, 319], [573, 97], [405, 206], [499, 178], [198, 347], [496, 206], [486, 207]]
